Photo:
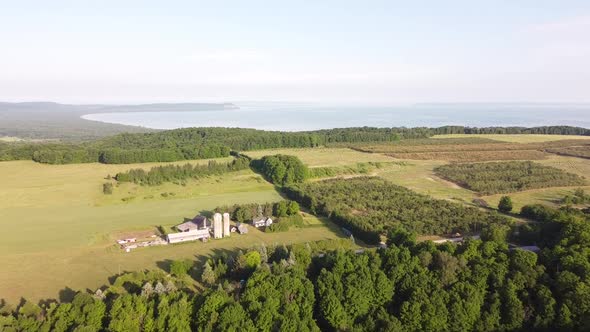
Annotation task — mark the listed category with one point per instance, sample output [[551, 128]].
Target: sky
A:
[[378, 52]]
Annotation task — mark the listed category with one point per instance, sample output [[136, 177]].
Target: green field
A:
[[63, 227], [320, 157], [516, 138]]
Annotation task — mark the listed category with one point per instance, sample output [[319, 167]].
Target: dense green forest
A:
[[478, 285], [281, 169], [370, 206], [198, 143], [504, 177], [177, 173]]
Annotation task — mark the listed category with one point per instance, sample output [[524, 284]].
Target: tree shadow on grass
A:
[[67, 294]]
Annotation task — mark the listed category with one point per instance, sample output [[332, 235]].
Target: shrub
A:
[[107, 188], [505, 204], [180, 267]]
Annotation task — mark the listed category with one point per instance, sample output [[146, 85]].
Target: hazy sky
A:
[[334, 51]]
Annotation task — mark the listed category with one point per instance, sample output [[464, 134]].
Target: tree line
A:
[[476, 285], [504, 177], [369, 207], [198, 143], [179, 173]]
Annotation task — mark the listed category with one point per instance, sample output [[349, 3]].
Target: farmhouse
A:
[[261, 222]]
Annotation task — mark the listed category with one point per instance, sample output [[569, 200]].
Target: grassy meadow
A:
[[62, 227], [321, 157]]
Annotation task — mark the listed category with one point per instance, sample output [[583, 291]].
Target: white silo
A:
[[217, 226], [226, 231]]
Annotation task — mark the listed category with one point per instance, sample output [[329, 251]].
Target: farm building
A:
[[226, 226], [217, 226], [261, 222], [196, 229], [199, 222], [242, 228], [192, 235]]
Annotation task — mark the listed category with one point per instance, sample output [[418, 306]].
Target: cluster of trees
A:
[[282, 169], [245, 212], [477, 285], [195, 143], [503, 177], [370, 206], [176, 173], [505, 204], [578, 197]]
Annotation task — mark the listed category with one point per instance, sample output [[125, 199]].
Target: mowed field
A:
[[59, 228], [321, 157]]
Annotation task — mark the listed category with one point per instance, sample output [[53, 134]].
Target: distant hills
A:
[[49, 120]]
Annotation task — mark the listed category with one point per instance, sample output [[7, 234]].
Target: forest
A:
[[505, 177], [477, 285], [177, 173], [199, 143], [369, 207]]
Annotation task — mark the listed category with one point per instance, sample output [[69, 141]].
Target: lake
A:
[[306, 116]]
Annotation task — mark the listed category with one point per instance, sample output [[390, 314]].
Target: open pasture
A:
[[320, 157], [62, 227]]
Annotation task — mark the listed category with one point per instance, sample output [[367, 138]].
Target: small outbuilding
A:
[[242, 228], [261, 222]]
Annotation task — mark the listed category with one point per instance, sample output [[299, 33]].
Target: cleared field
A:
[[569, 164], [62, 226], [547, 196], [574, 151], [550, 196], [473, 156], [507, 177], [456, 150], [319, 157], [516, 138], [420, 177]]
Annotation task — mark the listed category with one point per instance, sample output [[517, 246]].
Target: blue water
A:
[[298, 116]]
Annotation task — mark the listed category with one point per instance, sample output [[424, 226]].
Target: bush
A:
[[180, 268], [505, 204], [107, 188]]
